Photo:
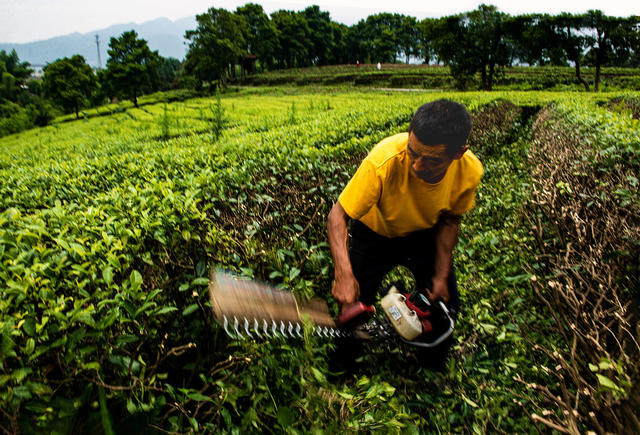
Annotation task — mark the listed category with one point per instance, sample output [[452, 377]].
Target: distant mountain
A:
[[162, 34]]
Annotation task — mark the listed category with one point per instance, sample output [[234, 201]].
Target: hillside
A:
[[162, 34]]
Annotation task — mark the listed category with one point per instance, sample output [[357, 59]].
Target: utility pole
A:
[[98, 45]]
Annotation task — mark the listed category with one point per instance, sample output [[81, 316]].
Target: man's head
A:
[[437, 135]]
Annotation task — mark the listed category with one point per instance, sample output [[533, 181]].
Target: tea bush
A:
[[107, 234]]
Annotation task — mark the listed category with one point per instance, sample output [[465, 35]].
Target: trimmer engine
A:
[[418, 321], [414, 318]]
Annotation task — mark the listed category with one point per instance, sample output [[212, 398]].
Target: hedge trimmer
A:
[[253, 310]]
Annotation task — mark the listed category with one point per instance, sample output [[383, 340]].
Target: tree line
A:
[[70, 84], [480, 42]]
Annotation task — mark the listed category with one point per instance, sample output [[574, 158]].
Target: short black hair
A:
[[442, 122]]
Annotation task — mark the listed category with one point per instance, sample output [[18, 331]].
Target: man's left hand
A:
[[440, 290]]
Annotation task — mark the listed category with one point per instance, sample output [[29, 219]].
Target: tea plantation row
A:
[[108, 228]]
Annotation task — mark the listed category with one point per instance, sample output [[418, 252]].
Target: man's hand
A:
[[440, 290], [346, 290]]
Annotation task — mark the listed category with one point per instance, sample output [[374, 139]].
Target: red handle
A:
[[355, 314]]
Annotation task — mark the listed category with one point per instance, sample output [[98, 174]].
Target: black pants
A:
[[373, 256]]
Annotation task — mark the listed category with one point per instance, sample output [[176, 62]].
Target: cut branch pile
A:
[[588, 254]]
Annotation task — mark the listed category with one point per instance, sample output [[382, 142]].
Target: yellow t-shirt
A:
[[389, 198]]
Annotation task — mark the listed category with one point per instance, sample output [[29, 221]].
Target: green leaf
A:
[[136, 280], [22, 392], [165, 310], [318, 375], [372, 391], [388, 389], [190, 309], [469, 401], [293, 273], [29, 326], [518, 278], [200, 281], [131, 407], [605, 364], [608, 384], [31, 344], [125, 338], [199, 397], [363, 382], [21, 373], [487, 327], [94, 365], [286, 416], [107, 274], [247, 271]]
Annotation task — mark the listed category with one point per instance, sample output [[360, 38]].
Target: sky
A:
[[33, 20]]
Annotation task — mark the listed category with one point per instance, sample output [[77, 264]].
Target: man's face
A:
[[428, 162]]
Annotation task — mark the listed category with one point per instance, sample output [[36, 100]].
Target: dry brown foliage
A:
[[619, 104], [491, 122], [579, 227]]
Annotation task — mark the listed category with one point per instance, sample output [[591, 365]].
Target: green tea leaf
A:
[[107, 274], [608, 384], [136, 280], [190, 309], [286, 416]]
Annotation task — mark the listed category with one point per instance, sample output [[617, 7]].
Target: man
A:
[[406, 201]]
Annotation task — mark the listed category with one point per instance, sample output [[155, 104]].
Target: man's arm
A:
[[446, 240], [345, 286]]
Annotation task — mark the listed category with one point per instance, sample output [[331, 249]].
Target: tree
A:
[[8, 87], [294, 39], [340, 52], [452, 45], [625, 42], [529, 37], [383, 30], [357, 43], [320, 35], [261, 36], [606, 31], [491, 47], [69, 83], [216, 44], [168, 72], [473, 42], [426, 36], [132, 67], [19, 70], [569, 35], [633, 39], [13, 74], [408, 37]]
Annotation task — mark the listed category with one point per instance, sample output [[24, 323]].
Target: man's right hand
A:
[[346, 289]]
